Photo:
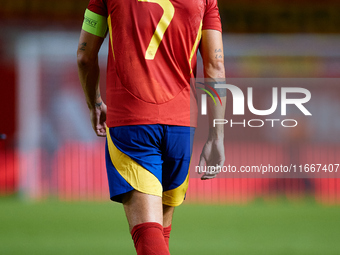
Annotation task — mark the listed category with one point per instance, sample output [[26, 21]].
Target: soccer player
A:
[[150, 117]]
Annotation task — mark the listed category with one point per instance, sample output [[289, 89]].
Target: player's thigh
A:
[[140, 208]]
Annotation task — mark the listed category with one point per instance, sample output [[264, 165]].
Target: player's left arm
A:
[[88, 71], [91, 38], [211, 49]]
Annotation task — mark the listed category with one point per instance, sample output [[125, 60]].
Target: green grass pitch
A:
[[54, 227]]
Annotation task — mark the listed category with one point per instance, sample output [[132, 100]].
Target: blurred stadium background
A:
[[50, 152]]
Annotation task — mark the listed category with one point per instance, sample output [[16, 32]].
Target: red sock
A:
[[166, 234], [149, 240]]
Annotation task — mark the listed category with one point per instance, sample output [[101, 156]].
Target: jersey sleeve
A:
[[98, 6], [212, 19]]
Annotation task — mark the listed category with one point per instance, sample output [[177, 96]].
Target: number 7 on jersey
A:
[[164, 22]]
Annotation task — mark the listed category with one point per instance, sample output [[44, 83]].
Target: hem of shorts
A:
[[168, 201], [119, 197], [173, 204]]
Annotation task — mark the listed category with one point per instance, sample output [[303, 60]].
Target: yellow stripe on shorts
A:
[[175, 197], [136, 175]]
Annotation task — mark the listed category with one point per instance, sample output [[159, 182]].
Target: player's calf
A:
[[149, 240]]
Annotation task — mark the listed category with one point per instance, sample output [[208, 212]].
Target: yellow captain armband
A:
[[94, 23]]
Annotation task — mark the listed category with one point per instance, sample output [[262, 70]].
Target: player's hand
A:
[[98, 119], [212, 155]]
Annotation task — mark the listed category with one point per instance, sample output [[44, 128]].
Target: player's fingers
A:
[[201, 164], [101, 132], [212, 172], [220, 163], [208, 176]]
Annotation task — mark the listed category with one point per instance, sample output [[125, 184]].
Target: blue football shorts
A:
[[153, 159]]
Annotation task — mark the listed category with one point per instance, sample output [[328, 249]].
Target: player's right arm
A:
[[90, 42], [211, 49]]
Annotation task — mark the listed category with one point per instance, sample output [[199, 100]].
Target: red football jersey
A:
[[152, 57]]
